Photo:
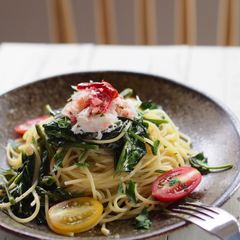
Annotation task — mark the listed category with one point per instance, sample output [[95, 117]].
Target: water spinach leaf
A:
[[59, 131], [23, 208], [126, 92], [130, 192], [133, 149], [148, 105], [59, 134], [82, 164], [200, 162], [142, 221], [155, 147], [173, 181], [128, 150], [59, 158], [120, 189]]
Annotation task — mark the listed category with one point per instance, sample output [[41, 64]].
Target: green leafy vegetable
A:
[[133, 148], [130, 156], [128, 150], [44, 168], [34, 141], [84, 164], [173, 181], [58, 157], [2, 171], [43, 140], [200, 162], [49, 109], [24, 178], [4, 185], [185, 186], [79, 145], [120, 189], [155, 120], [56, 193], [105, 204], [126, 92], [14, 144], [47, 180], [122, 127], [148, 105], [16, 179], [59, 131], [44, 178], [27, 168], [130, 192], [142, 221], [82, 155], [160, 171], [60, 135], [137, 137], [155, 147]]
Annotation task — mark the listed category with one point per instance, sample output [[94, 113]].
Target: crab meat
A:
[[96, 106]]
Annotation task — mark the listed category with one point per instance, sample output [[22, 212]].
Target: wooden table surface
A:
[[212, 70]]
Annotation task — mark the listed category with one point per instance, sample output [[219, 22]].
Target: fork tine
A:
[[194, 208], [204, 206], [190, 212], [212, 219]]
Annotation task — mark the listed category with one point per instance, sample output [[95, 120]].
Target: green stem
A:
[[120, 160], [218, 167], [4, 184], [136, 136], [43, 137], [79, 145], [126, 92], [48, 180], [155, 120], [18, 178], [49, 109], [82, 155]]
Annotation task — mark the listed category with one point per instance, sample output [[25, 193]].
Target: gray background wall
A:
[[27, 21]]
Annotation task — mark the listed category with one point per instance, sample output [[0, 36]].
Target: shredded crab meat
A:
[[91, 110]]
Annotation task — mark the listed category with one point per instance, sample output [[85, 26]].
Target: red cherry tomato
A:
[[23, 127], [176, 183]]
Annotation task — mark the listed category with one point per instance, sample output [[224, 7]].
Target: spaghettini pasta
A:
[[102, 145]]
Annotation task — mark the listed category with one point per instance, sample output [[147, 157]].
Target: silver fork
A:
[[212, 219]]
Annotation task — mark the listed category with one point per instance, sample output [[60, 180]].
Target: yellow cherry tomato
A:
[[76, 214]]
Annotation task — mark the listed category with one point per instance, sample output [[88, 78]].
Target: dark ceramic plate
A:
[[211, 126]]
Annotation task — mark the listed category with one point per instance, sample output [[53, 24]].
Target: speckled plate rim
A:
[[181, 224]]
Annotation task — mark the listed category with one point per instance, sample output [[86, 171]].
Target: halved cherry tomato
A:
[[176, 183], [23, 127], [75, 214]]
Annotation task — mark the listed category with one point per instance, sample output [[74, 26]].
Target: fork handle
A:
[[231, 234]]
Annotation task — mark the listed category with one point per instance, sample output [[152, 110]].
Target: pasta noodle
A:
[[98, 179]]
